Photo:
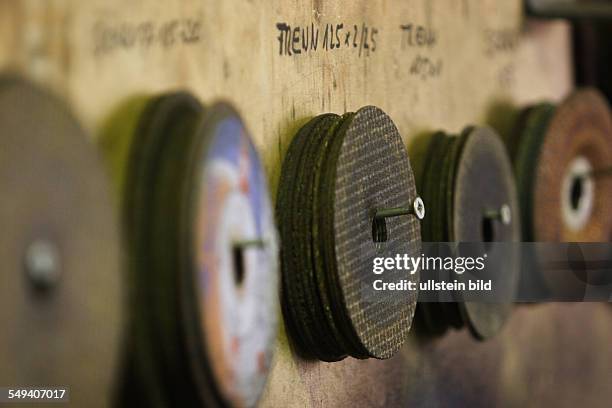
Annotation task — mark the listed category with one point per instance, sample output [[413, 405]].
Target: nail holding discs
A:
[[561, 155], [204, 255], [338, 172], [471, 198], [61, 291]]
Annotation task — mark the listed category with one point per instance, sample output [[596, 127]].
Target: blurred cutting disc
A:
[[475, 179], [235, 255], [204, 256], [155, 165], [567, 205], [484, 183], [556, 152], [60, 290], [337, 173]]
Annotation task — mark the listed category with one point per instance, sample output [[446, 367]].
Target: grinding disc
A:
[[484, 182], [578, 139], [300, 298], [433, 156], [474, 180], [373, 171], [204, 256], [555, 149], [337, 173], [235, 253], [158, 359], [60, 290]]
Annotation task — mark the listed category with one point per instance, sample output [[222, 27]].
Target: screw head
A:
[[42, 264], [505, 214], [419, 208]]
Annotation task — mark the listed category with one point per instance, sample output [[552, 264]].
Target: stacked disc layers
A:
[[554, 151], [562, 158], [469, 189], [203, 257], [338, 171]]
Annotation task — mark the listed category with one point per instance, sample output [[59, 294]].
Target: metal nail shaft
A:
[[379, 227], [503, 214], [257, 242], [417, 209], [393, 212]]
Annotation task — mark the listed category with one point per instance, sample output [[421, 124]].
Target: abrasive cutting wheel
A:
[[562, 158], [555, 151], [469, 189], [339, 171], [204, 257], [61, 298]]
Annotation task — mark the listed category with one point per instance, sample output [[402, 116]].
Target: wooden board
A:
[[431, 65]]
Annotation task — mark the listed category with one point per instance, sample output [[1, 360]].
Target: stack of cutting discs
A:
[[61, 288], [339, 171], [561, 156], [557, 152], [471, 198], [203, 257]]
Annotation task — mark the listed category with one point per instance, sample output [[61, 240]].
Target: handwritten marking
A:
[[296, 40], [111, 36]]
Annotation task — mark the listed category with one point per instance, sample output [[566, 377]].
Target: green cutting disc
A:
[[337, 173], [155, 179]]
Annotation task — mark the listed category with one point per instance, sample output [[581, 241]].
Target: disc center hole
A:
[[238, 264], [379, 230], [488, 229], [576, 192]]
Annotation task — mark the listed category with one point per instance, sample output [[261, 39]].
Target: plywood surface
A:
[[429, 64]]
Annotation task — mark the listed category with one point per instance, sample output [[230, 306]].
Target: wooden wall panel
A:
[[460, 62]]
